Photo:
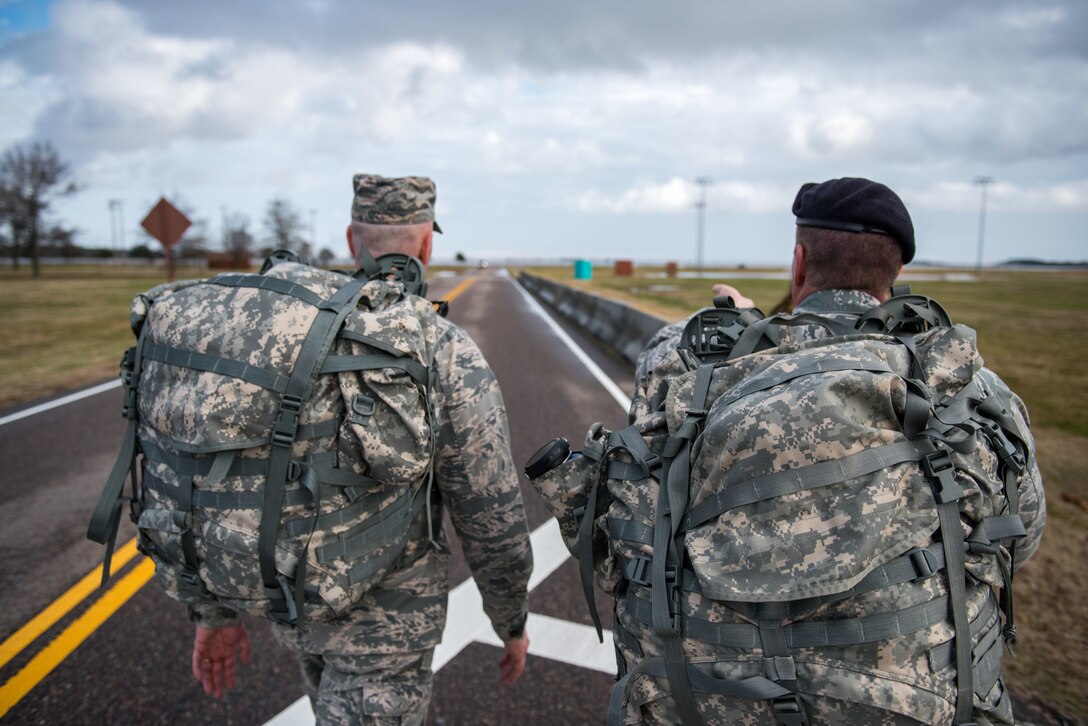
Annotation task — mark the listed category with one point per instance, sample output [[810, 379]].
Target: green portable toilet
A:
[[583, 270]]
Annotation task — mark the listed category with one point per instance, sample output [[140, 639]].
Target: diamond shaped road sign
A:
[[165, 223]]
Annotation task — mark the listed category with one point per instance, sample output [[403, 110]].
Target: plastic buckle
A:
[[1004, 449], [789, 711], [294, 470], [941, 472], [638, 571], [362, 408], [675, 605], [283, 432], [924, 563]]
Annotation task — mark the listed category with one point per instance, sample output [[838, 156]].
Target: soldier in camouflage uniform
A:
[[853, 238], [373, 665]]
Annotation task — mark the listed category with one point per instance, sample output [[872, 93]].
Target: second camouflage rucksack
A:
[[809, 521], [279, 434]]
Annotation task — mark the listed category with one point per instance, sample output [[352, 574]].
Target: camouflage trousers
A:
[[373, 689]]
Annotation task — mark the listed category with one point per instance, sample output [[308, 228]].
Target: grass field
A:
[[68, 329]]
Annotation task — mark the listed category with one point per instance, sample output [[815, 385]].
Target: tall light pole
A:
[[313, 232], [982, 181], [703, 182], [117, 225], [113, 223]]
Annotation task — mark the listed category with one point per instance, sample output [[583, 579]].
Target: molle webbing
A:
[[375, 361], [273, 284], [386, 525], [213, 364], [805, 634], [225, 500], [367, 566], [917, 564]]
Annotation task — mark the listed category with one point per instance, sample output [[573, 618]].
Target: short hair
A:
[[383, 239], [836, 260]]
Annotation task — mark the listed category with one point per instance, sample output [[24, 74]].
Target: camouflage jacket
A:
[[847, 304], [477, 479]]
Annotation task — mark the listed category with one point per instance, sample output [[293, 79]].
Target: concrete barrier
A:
[[619, 326]]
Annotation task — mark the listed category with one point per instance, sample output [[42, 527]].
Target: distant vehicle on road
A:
[[481, 265]]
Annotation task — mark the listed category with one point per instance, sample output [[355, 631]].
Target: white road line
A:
[[466, 623], [608, 383], [70, 398], [565, 642]]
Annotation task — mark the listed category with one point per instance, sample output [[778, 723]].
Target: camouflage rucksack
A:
[[279, 433], [838, 515]]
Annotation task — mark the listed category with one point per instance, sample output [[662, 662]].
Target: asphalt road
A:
[[134, 668]]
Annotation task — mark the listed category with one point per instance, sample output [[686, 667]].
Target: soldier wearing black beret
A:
[[853, 238], [852, 235]]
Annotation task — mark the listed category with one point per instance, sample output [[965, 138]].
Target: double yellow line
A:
[[79, 630], [98, 613]]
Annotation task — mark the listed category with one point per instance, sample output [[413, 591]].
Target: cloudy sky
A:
[[570, 127]]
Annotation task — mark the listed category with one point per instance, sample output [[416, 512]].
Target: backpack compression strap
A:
[[107, 512], [310, 359], [666, 565]]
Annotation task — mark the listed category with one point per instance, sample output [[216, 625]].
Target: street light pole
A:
[[313, 232], [113, 223], [703, 182], [982, 181]]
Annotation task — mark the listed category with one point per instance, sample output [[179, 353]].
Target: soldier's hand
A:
[[513, 661], [214, 656], [723, 290]]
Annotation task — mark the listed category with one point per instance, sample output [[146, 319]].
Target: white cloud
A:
[[534, 115], [680, 195], [1000, 196]]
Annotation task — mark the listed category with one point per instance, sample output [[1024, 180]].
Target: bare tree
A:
[[237, 239], [193, 245], [9, 214], [32, 176], [284, 226]]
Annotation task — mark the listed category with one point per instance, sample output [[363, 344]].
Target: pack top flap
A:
[[217, 355], [803, 480]]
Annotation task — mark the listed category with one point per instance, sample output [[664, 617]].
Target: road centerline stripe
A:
[[53, 654], [60, 607]]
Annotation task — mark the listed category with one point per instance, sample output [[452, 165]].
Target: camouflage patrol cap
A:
[[393, 200], [856, 205]]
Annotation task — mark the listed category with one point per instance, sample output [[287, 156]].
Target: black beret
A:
[[856, 205]]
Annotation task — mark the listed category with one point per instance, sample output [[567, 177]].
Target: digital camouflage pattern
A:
[[402, 617], [810, 546], [393, 200], [371, 438]]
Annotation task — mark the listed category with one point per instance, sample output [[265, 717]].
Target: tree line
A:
[[33, 176]]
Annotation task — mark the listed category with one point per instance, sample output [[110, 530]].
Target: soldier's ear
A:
[[426, 247], [351, 242], [797, 272]]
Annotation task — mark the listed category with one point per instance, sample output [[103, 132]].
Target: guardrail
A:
[[619, 326]]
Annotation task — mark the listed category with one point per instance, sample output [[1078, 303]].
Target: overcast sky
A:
[[566, 128]]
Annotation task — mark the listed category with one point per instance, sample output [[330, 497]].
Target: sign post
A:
[[166, 224]]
